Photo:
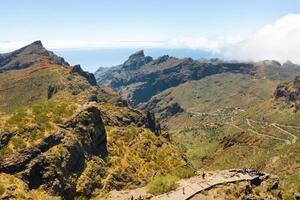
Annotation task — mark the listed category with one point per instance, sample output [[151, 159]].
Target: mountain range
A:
[[222, 114], [69, 134]]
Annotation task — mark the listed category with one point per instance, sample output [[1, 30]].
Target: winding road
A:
[[253, 130]]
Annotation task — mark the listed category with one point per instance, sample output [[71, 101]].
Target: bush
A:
[[162, 184], [2, 190], [18, 143], [4, 151], [185, 172]]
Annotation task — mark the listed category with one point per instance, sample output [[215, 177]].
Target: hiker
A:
[[183, 191], [203, 175]]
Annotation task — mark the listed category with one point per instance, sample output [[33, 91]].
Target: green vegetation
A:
[[24, 87], [2, 190], [4, 151], [226, 146], [137, 154], [184, 172], [42, 114], [218, 92], [162, 184], [18, 143]]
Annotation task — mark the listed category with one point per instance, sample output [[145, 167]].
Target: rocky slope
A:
[[290, 91], [32, 54], [170, 86], [62, 135], [140, 77]]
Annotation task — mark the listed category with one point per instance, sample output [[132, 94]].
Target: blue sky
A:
[[129, 20], [235, 29]]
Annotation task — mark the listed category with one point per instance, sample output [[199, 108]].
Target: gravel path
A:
[[187, 188]]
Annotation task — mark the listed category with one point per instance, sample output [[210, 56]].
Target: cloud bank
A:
[[279, 40]]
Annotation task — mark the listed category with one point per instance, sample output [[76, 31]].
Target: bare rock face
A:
[[136, 60], [152, 124], [89, 76], [290, 91], [56, 163], [4, 138]]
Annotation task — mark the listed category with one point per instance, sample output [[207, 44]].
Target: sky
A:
[[233, 29]]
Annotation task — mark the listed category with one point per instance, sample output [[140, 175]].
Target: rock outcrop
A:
[[58, 160], [290, 91], [89, 76], [136, 60], [4, 138]]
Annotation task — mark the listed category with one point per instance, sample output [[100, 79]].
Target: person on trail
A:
[[183, 191], [203, 175]]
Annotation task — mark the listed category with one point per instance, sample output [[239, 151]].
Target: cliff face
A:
[[290, 91]]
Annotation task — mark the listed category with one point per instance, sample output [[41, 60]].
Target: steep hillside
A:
[[141, 82], [33, 54], [212, 93], [63, 135], [223, 115], [265, 137]]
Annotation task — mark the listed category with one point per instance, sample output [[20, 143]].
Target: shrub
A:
[[162, 184], [18, 143], [19, 119], [5, 150], [185, 172], [2, 190]]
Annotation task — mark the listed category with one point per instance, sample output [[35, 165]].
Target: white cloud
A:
[[202, 43], [279, 40], [60, 44]]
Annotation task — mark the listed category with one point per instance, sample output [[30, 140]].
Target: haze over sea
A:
[[92, 59]]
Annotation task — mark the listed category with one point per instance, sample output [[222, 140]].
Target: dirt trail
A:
[[188, 188], [286, 132], [253, 130], [273, 137]]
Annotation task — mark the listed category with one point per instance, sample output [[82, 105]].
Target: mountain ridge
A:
[[63, 136], [34, 54]]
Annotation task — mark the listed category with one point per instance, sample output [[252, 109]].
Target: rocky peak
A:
[[161, 60], [137, 54], [89, 76], [136, 60], [37, 45], [271, 63], [32, 54]]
